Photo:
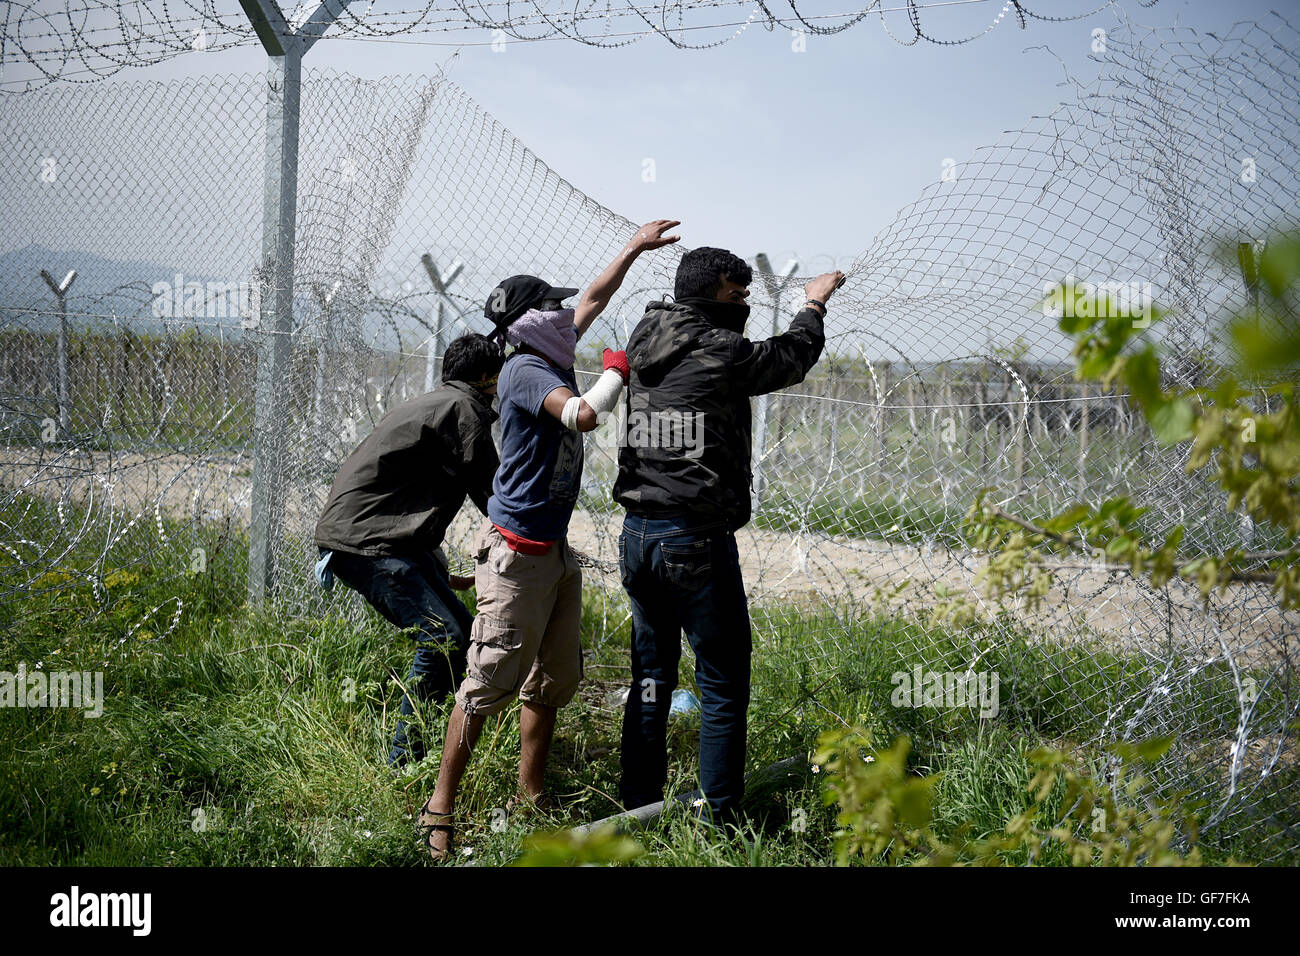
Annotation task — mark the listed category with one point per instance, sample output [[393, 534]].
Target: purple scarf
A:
[[551, 333]]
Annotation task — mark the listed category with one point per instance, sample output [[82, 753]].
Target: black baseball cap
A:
[[516, 295]]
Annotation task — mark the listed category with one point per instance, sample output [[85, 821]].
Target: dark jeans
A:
[[413, 591], [683, 576]]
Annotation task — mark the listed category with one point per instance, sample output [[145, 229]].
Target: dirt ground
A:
[[812, 570]]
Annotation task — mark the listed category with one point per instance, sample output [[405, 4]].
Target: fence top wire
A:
[[83, 41]]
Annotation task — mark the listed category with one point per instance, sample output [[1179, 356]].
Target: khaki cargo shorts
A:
[[525, 641]]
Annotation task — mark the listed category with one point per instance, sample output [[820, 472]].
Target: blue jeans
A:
[[682, 575], [414, 591]]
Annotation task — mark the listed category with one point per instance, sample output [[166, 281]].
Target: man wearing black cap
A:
[[525, 640]]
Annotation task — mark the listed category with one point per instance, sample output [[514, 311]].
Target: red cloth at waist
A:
[[524, 545]]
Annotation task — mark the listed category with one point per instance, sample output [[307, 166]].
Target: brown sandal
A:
[[425, 829]]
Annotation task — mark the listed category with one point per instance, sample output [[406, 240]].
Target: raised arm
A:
[[598, 294], [784, 360]]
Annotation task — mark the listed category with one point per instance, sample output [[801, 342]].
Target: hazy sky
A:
[[756, 146]]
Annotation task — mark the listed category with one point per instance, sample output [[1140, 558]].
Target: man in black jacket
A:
[[684, 477], [390, 506]]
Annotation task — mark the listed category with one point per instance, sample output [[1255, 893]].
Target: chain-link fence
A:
[[129, 389]]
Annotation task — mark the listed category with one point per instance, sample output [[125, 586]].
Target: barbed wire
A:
[[84, 41]]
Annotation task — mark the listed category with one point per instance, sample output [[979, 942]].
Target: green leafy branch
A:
[[885, 813], [1251, 450]]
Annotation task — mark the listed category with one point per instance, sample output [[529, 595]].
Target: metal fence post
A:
[[60, 290], [437, 341], [285, 48], [775, 287]]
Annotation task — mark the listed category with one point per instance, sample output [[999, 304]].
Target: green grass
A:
[[259, 737], [168, 391]]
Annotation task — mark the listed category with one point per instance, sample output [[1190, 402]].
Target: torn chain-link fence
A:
[[127, 400]]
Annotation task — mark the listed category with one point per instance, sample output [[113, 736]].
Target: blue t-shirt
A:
[[536, 487]]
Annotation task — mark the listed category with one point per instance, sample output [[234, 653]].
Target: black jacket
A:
[[400, 489], [693, 374]]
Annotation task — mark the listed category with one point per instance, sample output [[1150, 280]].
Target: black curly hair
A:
[[473, 359], [699, 272]]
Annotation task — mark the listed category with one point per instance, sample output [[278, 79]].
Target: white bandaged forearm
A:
[[602, 397]]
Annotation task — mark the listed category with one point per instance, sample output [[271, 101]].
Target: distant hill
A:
[[102, 287]]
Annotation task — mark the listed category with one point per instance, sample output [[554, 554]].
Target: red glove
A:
[[617, 361]]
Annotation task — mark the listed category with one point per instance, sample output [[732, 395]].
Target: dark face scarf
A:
[[729, 315]]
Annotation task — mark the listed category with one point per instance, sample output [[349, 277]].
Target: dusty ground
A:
[[814, 570]]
